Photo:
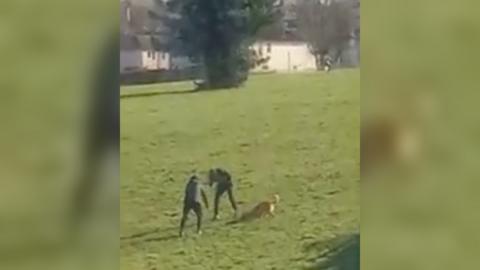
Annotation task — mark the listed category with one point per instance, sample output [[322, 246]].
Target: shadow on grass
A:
[[162, 238], [163, 93], [141, 234], [340, 253], [174, 92], [158, 235], [242, 220], [153, 232], [151, 236]]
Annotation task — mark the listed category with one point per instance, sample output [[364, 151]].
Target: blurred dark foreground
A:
[[51, 55]]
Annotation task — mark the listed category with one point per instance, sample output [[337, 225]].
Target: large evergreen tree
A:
[[217, 34]]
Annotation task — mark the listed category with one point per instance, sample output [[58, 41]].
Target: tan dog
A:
[[263, 209]]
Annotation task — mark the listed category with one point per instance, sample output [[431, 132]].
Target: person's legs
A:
[[232, 200], [218, 194], [186, 210], [198, 211]]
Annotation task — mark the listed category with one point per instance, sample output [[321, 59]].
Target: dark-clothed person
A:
[[192, 201], [223, 180]]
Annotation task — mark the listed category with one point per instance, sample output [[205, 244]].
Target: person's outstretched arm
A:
[[204, 198]]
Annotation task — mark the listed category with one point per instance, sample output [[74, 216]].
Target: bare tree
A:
[[326, 25]]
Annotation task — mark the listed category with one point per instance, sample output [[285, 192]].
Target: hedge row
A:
[[157, 76]]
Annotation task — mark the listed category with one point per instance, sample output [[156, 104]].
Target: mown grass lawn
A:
[[296, 135]]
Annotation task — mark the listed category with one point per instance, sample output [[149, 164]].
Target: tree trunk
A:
[[219, 75], [320, 60], [225, 70]]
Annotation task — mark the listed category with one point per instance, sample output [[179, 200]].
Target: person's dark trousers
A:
[[197, 209], [218, 194]]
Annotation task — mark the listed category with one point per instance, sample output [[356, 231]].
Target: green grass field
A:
[[296, 135]]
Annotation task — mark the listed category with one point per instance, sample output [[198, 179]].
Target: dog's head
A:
[[275, 198]]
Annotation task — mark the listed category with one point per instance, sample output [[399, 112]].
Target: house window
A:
[[129, 15], [269, 47], [154, 55], [164, 55], [149, 54]]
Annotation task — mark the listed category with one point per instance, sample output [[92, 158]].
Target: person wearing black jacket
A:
[[224, 183], [191, 201]]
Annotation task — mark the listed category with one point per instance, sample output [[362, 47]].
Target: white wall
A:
[[286, 56], [155, 60], [141, 60]]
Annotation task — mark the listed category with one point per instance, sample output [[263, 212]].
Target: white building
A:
[[138, 53], [137, 47], [136, 60], [284, 56]]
